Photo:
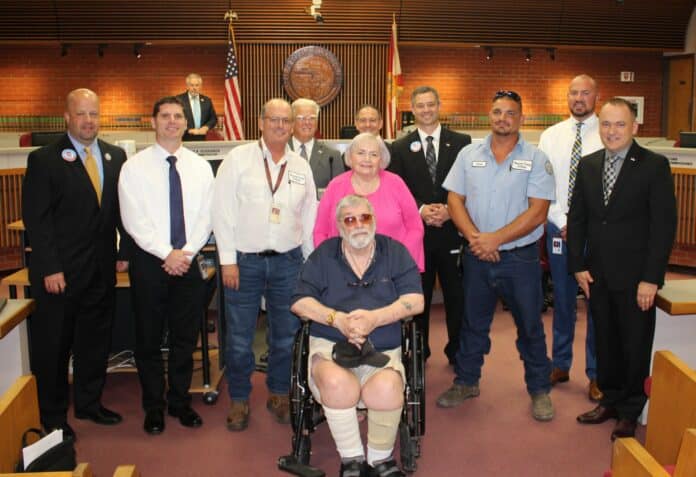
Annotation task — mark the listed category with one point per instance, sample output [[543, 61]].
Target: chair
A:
[[306, 414], [630, 459]]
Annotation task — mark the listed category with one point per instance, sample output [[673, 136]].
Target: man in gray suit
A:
[[324, 160]]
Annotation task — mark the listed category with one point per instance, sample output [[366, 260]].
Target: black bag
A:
[[60, 457]]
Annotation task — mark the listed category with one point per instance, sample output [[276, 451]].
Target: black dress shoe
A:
[[154, 421], [597, 415], [187, 416], [353, 468], [102, 416], [624, 428], [387, 468]]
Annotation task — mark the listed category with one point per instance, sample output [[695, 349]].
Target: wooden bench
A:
[[630, 459], [19, 411]]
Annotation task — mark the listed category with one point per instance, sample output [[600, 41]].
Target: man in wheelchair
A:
[[355, 289]]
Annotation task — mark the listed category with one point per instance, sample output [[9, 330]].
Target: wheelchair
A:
[[306, 414]]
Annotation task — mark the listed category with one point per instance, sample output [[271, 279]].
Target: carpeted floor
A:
[[492, 435]]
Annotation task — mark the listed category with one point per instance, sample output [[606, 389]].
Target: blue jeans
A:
[[516, 278], [565, 292], [273, 277]]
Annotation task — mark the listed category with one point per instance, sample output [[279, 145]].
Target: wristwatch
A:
[[330, 319]]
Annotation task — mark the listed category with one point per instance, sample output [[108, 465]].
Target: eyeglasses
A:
[[507, 94], [352, 220], [278, 121], [309, 119], [361, 284]]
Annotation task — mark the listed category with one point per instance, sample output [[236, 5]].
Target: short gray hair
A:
[[352, 200], [384, 156], [193, 76], [299, 102]]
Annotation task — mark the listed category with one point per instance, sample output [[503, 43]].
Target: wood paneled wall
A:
[[364, 81], [685, 190], [10, 205]]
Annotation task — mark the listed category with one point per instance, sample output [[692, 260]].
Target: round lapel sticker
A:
[[107, 156], [68, 155], [415, 146]]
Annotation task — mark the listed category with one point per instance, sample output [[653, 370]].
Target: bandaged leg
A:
[[382, 427], [343, 424]]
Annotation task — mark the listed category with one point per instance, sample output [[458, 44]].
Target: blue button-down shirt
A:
[[327, 277], [496, 194], [94, 147]]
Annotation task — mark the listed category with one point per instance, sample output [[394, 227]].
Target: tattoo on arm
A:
[[407, 305]]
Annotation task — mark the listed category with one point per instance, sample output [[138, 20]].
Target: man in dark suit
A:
[[324, 160], [623, 210], [70, 210], [198, 109], [411, 156]]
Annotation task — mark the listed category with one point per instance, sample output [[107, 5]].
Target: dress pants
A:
[[442, 262], [624, 336], [565, 292], [162, 301], [79, 321], [516, 278]]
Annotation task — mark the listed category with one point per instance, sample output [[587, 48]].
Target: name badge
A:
[[274, 216], [296, 177], [478, 164], [521, 165], [557, 246]]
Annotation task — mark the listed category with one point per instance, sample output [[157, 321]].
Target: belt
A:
[[264, 253], [516, 249]]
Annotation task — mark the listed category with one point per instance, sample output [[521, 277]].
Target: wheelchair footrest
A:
[[289, 463]]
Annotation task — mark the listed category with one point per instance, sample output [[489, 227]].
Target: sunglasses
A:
[[352, 220], [507, 94]]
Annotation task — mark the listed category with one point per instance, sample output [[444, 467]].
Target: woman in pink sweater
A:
[[396, 212]]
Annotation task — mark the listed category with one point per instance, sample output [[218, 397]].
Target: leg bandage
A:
[[343, 424], [382, 427]]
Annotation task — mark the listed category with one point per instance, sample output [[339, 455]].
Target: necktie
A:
[[303, 152], [430, 158], [177, 226], [575, 156], [93, 173], [196, 109], [609, 176]]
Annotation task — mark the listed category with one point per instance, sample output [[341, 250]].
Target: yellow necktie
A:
[[93, 172]]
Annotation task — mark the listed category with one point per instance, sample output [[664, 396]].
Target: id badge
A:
[[274, 218], [557, 246]]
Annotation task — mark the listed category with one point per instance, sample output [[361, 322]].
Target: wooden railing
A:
[[10, 205], [685, 190]]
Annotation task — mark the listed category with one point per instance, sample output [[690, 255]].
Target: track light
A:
[[64, 47], [100, 49], [138, 50], [489, 53], [552, 53], [527, 55]]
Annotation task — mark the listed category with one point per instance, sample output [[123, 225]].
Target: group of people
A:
[[392, 218]]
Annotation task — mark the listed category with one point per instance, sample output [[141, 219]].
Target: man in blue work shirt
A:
[[500, 190]]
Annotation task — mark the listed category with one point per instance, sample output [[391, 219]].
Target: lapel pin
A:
[[447, 144], [415, 146], [68, 155], [633, 159], [107, 156]]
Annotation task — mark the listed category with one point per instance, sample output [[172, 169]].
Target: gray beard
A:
[[359, 239]]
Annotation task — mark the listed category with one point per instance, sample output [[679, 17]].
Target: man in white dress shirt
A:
[[166, 193], [263, 215], [564, 144]]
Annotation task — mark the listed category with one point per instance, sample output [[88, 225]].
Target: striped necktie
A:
[[93, 173], [303, 152], [430, 159], [609, 176], [575, 156]]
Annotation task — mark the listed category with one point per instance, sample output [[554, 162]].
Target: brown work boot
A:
[[238, 417], [558, 376], [594, 393], [279, 406]]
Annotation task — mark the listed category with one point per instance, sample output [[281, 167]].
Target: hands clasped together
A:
[[356, 325]]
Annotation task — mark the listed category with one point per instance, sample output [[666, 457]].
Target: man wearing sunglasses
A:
[[264, 207], [357, 287], [500, 190], [324, 160]]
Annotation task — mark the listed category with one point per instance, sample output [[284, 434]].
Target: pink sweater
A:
[[395, 209]]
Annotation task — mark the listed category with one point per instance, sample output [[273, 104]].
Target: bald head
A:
[[275, 122], [82, 115], [582, 96]]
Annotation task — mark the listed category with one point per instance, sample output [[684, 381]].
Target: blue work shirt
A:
[[96, 152], [496, 194], [327, 277]]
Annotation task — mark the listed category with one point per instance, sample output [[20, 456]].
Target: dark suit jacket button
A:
[[604, 222]]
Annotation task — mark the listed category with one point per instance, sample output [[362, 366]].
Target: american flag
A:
[[394, 82], [233, 103]]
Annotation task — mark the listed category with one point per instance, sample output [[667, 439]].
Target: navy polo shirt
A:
[[327, 277]]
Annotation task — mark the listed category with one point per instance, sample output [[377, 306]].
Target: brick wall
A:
[[683, 255], [37, 78], [10, 258]]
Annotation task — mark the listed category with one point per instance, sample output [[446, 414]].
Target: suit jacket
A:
[[628, 240], [68, 230], [326, 163], [413, 169], [208, 116]]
